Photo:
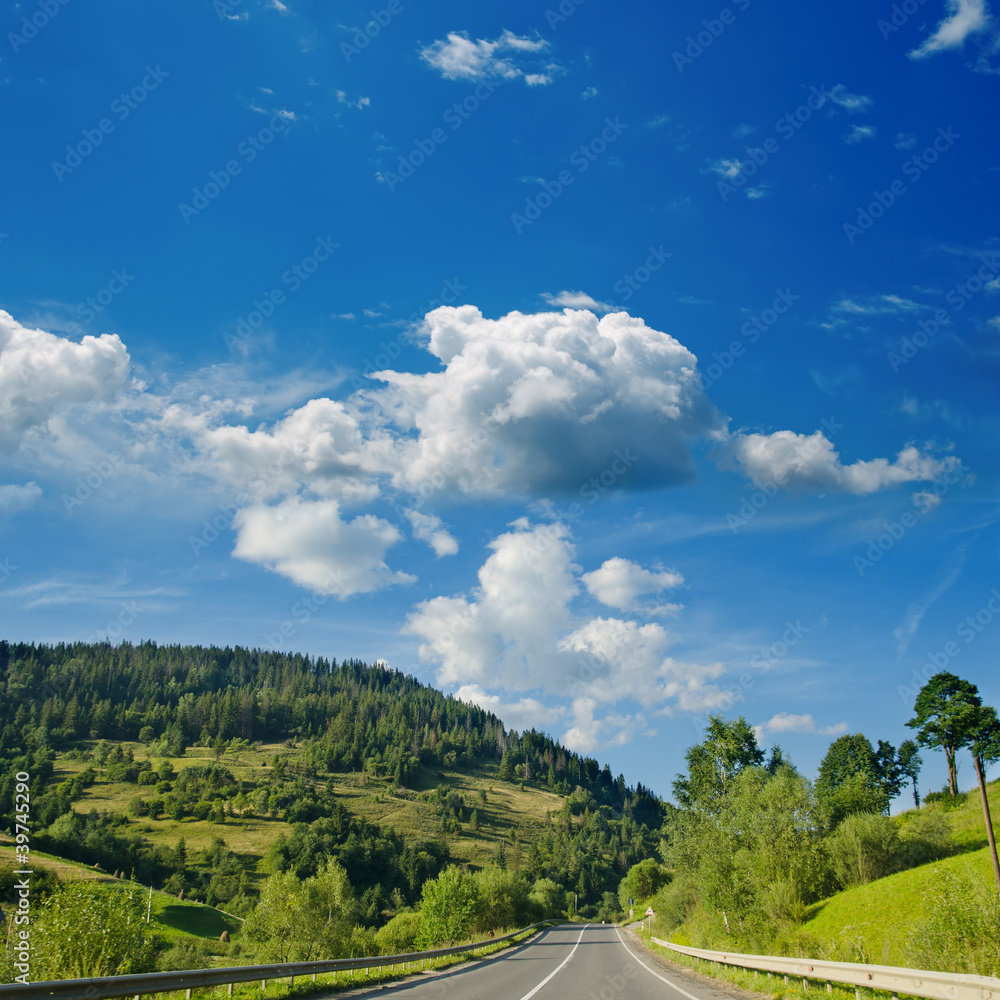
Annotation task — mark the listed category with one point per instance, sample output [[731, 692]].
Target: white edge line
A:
[[528, 996], [648, 969]]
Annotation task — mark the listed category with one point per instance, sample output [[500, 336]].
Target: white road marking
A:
[[528, 996], [653, 971]]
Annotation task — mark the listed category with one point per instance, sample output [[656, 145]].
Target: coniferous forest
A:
[[88, 702]]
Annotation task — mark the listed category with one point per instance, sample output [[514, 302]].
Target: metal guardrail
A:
[[164, 982], [915, 982]]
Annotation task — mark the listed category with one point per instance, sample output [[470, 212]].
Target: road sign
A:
[[649, 912]]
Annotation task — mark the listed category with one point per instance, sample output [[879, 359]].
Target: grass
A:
[[871, 923], [506, 807], [174, 920]]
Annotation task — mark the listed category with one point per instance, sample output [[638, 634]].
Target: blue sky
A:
[[606, 366]]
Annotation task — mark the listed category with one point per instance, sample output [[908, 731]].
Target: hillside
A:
[[203, 770], [880, 922]]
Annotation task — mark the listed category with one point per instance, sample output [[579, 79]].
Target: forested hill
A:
[[351, 716]]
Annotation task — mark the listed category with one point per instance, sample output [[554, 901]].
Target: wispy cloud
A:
[[907, 628], [859, 133], [458, 57], [965, 17]]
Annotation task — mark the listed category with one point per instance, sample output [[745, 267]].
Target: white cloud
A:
[[525, 713], [308, 542], [620, 582], [726, 168], [427, 528], [852, 103], [965, 17], [905, 140], [14, 498], [458, 57], [278, 6], [360, 103], [878, 305], [925, 502], [589, 93], [758, 192], [517, 631], [743, 130], [43, 377], [783, 722], [545, 402], [809, 461], [859, 133], [576, 300]]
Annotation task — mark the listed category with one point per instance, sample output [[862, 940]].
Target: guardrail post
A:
[[829, 987], [786, 980], [187, 993], [229, 989], [805, 983]]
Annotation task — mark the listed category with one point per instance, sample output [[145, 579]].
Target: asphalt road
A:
[[569, 962]]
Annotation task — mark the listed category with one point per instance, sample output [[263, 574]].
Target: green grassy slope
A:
[[506, 810]]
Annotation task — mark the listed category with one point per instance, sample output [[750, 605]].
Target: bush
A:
[[962, 933], [400, 934], [924, 837], [148, 778], [503, 900], [947, 800], [137, 806], [547, 899], [863, 848], [450, 908], [85, 930], [674, 903]]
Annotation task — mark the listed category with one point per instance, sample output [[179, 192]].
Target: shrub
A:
[[400, 934], [925, 837], [863, 848], [962, 930]]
